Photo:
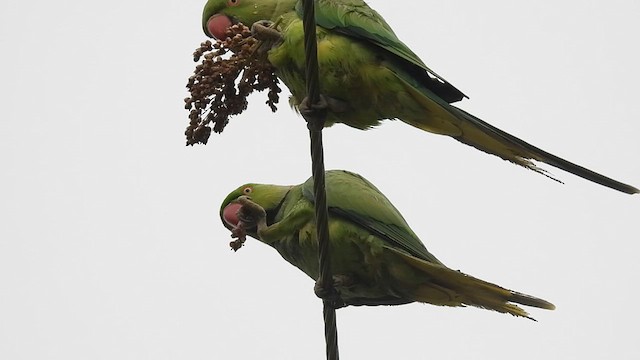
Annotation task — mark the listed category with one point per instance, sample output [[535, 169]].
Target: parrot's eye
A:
[[233, 2], [247, 190]]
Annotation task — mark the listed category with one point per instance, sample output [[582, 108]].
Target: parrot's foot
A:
[[265, 31], [250, 215], [311, 112], [331, 294]]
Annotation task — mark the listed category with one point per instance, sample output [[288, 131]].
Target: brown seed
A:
[[221, 83]]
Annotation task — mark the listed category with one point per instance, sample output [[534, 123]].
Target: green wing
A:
[[356, 19], [352, 197]]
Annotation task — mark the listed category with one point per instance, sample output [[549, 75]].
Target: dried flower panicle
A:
[[215, 92], [237, 244], [240, 235]]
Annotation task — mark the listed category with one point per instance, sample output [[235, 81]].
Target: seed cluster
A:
[[215, 92]]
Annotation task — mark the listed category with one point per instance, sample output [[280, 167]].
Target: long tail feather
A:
[[437, 116], [449, 287], [524, 151]]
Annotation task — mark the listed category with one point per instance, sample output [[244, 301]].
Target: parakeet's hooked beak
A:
[[230, 214], [217, 25]]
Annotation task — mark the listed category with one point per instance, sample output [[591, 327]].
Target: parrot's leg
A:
[[325, 103], [287, 226], [333, 293], [266, 32], [254, 215], [250, 214]]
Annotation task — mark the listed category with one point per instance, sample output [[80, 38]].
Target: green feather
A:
[[378, 258], [369, 75], [370, 209], [357, 20]]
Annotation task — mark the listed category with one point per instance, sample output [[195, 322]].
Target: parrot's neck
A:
[[283, 7]]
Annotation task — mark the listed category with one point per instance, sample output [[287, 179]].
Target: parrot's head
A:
[[219, 15], [269, 197]]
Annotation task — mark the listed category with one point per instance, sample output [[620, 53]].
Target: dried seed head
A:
[[215, 91]]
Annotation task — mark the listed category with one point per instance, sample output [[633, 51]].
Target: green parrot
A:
[[376, 259], [367, 75]]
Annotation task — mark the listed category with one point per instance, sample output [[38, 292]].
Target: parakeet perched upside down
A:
[[376, 259], [367, 74]]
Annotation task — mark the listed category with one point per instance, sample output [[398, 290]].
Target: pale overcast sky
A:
[[111, 246]]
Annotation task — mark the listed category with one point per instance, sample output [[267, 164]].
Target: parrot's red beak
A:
[[217, 25], [230, 214]]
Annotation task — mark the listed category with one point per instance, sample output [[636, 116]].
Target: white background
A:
[[110, 242]]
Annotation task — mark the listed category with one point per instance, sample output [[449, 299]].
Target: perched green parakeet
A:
[[367, 74], [376, 259]]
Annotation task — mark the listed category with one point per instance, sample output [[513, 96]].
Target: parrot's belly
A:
[[350, 72], [359, 263]]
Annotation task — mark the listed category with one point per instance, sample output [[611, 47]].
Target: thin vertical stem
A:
[[315, 124]]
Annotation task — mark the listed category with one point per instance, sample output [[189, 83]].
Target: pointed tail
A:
[[479, 134], [453, 288], [437, 116]]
